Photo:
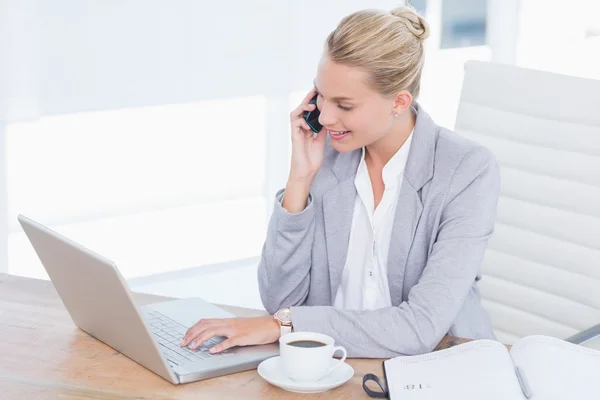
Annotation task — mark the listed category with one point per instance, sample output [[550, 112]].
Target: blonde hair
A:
[[388, 46]]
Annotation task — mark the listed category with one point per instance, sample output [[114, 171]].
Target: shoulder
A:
[[464, 167], [461, 159]]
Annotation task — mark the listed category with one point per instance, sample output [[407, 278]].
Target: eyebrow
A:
[[338, 98]]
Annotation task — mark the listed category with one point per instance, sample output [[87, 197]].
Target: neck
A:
[[380, 152]]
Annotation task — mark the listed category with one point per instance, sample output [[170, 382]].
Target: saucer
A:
[[271, 372]]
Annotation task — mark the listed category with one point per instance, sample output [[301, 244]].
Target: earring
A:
[[395, 115]]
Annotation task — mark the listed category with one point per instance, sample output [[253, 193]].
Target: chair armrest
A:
[[585, 336]]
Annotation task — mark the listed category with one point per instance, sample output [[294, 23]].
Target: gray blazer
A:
[[445, 216]]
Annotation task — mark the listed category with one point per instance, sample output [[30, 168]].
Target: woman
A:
[[378, 236]]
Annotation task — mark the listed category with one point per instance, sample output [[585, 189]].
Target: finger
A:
[[306, 127], [195, 330], [190, 336], [200, 323], [200, 338], [310, 95], [302, 126], [224, 345], [305, 102], [301, 109], [321, 135], [191, 331], [305, 107], [210, 333], [308, 107]]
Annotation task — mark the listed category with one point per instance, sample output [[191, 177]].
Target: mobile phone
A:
[[312, 117]]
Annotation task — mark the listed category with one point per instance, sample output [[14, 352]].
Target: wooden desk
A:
[[43, 355]]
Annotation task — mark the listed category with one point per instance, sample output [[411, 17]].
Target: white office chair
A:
[[541, 272]]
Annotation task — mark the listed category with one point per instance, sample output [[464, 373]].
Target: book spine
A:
[[523, 382], [386, 382]]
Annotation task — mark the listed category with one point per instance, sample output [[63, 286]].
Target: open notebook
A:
[[537, 367]]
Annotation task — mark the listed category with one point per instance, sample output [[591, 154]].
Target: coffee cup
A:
[[307, 356]]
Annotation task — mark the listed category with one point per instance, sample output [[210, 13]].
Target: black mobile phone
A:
[[312, 117]]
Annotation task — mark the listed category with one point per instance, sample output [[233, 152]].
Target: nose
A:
[[328, 115]]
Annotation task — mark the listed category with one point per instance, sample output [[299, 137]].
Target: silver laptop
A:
[[100, 303]]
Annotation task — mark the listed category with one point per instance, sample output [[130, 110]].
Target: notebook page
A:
[[556, 369], [481, 369]]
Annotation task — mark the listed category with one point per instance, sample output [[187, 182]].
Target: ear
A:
[[402, 102]]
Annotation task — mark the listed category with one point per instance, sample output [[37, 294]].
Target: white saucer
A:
[[271, 372]]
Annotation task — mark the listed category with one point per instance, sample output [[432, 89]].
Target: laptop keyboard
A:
[[169, 335]]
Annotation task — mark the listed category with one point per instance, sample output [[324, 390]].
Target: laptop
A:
[[100, 303]]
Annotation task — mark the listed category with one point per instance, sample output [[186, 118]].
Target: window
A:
[[144, 187], [458, 34], [564, 38], [463, 22]]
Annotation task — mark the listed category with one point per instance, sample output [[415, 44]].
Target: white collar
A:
[[394, 168]]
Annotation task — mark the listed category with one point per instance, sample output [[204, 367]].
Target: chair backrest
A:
[[541, 271]]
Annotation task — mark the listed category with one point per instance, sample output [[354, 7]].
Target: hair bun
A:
[[413, 21]]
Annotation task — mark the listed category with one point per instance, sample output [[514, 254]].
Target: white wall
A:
[[133, 125]]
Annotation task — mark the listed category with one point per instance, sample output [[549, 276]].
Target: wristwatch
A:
[[284, 318]]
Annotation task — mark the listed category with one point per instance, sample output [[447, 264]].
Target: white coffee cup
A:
[[308, 363]]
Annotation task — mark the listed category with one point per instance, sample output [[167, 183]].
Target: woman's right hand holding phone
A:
[[307, 157]]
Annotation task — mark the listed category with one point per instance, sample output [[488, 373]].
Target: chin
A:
[[344, 146]]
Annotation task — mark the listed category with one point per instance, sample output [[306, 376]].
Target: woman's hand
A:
[[307, 153], [239, 332]]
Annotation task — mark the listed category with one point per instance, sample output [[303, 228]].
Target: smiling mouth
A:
[[337, 133]]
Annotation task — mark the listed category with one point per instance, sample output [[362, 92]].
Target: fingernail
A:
[[212, 351]]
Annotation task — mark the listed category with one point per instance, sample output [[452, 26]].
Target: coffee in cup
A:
[[307, 356]]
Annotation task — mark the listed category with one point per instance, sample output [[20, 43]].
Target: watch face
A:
[[284, 315]]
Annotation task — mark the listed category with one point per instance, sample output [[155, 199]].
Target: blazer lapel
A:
[[418, 171], [338, 208], [406, 219]]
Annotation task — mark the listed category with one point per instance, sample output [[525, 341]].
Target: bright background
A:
[[156, 133]]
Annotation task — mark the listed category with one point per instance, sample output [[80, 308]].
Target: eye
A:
[[344, 108]]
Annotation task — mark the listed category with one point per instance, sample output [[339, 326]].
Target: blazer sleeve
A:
[[284, 269], [418, 324]]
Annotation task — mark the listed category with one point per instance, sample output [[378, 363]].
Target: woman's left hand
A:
[[239, 332]]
